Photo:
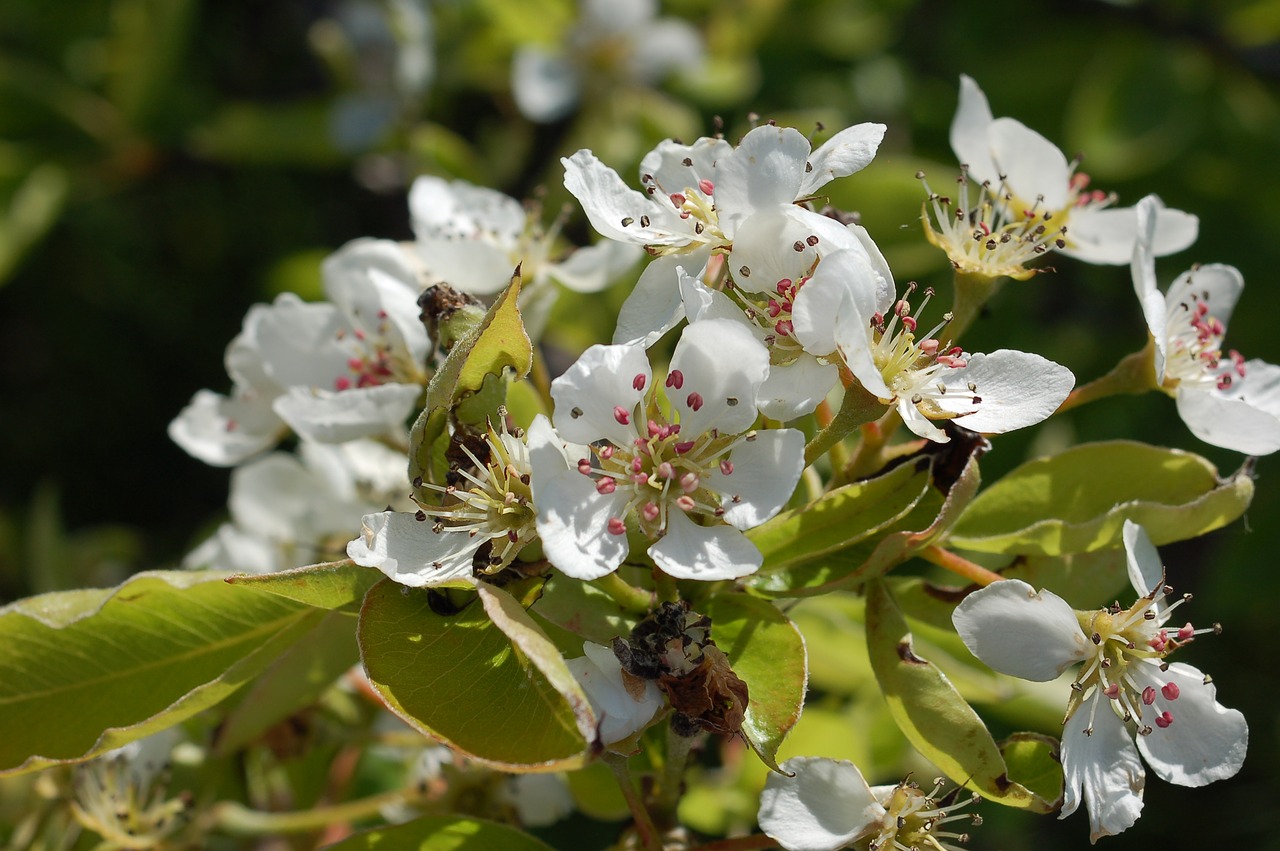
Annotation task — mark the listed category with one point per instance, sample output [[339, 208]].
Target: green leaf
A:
[[442, 833], [1078, 500], [583, 609], [499, 342], [293, 682], [932, 714], [83, 673], [840, 518], [443, 665], [767, 652], [1084, 580], [339, 585], [1034, 762]]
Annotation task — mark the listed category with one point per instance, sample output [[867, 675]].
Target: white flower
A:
[[826, 804], [1033, 184], [689, 482], [1224, 399], [620, 39], [289, 511], [623, 704], [926, 378], [332, 371], [483, 523], [1126, 686], [791, 270], [695, 198], [540, 800], [123, 797]]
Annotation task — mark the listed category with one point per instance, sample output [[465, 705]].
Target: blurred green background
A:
[[166, 163]]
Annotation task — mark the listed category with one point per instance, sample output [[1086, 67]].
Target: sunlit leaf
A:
[[1078, 500], [334, 585], [442, 833]]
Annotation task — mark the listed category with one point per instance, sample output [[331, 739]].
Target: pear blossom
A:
[[481, 526], [1224, 399], [820, 804], [331, 371], [1033, 185], [622, 39], [623, 704], [790, 271], [471, 238], [1125, 687], [288, 511], [926, 378], [697, 196], [123, 796], [689, 480]]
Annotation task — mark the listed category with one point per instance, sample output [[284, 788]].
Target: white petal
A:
[[455, 210], [594, 267], [797, 388], [765, 246], [1032, 166], [724, 364], [1018, 631], [1246, 418], [766, 170], [1107, 235], [588, 394], [702, 303], [885, 291], [573, 517], [608, 202], [1205, 742], [1142, 267], [223, 431], [234, 549], [619, 714], [654, 306], [849, 151], [690, 551], [409, 552], [664, 46], [853, 341], [674, 167], [920, 425], [298, 341], [376, 286], [1016, 389], [1104, 765], [825, 806], [765, 473], [336, 417], [473, 266], [546, 86], [969, 132], [841, 277], [1217, 285], [1146, 571]]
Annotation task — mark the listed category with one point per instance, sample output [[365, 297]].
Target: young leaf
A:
[[932, 714], [442, 833], [443, 665], [85, 673], [338, 585], [1078, 500], [767, 652]]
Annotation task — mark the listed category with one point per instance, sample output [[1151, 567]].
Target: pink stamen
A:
[[584, 467], [605, 452], [675, 379], [684, 446], [342, 383], [706, 186], [1164, 720], [686, 503], [694, 401], [1112, 691], [689, 482], [640, 479], [1186, 631], [637, 383], [621, 415], [650, 511], [1170, 691], [909, 322], [1148, 695], [677, 199], [726, 467], [606, 486], [616, 526], [783, 286], [665, 470], [784, 328]]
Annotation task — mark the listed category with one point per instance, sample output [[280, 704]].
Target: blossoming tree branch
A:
[[608, 581]]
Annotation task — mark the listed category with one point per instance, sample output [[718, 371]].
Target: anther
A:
[[694, 401], [675, 379], [637, 383], [616, 526], [621, 415]]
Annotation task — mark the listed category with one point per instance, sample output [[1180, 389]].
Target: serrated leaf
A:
[[442, 664], [1078, 500], [442, 833], [767, 651], [292, 682], [840, 518], [932, 714], [339, 585], [499, 342], [80, 676]]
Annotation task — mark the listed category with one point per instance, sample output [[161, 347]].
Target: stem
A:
[[644, 822], [740, 843], [868, 458], [1135, 373], [971, 293], [632, 599], [858, 408], [672, 781], [541, 378], [958, 565], [665, 586], [238, 820]]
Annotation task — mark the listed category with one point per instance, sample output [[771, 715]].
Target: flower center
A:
[[376, 357], [914, 819], [1195, 346], [694, 204], [497, 509], [1127, 641], [990, 234], [662, 470]]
